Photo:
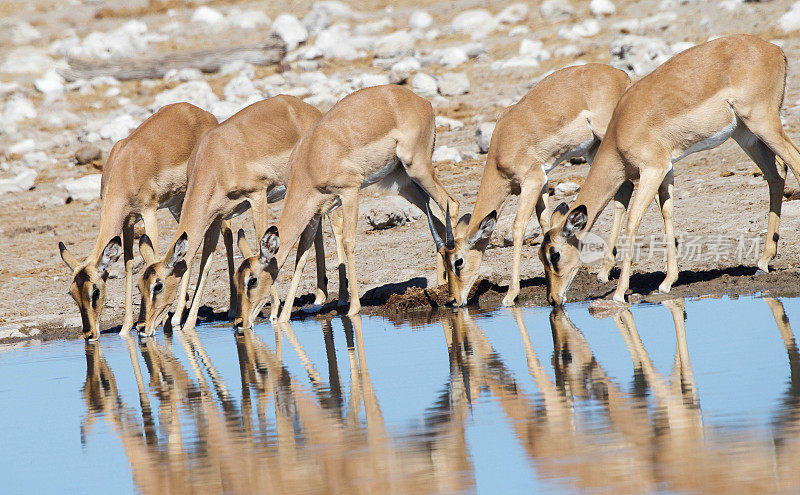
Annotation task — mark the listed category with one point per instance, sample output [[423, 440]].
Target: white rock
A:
[[86, 188], [335, 42], [368, 80], [290, 29], [477, 23], [316, 20], [247, 19], [513, 14], [197, 93], [681, 46], [119, 128], [452, 56], [323, 101], [483, 135], [519, 62], [11, 331], [124, 42], [602, 7], [660, 21], [51, 84], [790, 21], [519, 30], [568, 51], [453, 84], [554, 10], [585, 29], [567, 188], [446, 154], [533, 48], [23, 181], [419, 19], [18, 108], [23, 33], [392, 211], [208, 16], [406, 66], [372, 28], [37, 159], [22, 147], [239, 87], [397, 44], [424, 85], [182, 75], [334, 8], [638, 55], [26, 60], [451, 124]]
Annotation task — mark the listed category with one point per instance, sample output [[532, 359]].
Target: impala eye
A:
[[95, 295], [158, 287], [252, 283], [458, 263]]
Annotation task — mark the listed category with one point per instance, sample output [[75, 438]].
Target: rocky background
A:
[[471, 59]]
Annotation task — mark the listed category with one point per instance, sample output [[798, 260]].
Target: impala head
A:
[[255, 276], [88, 286], [462, 254], [560, 251], [160, 281]]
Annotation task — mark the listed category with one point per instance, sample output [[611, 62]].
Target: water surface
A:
[[699, 396]]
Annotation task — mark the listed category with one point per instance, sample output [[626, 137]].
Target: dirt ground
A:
[[720, 197]]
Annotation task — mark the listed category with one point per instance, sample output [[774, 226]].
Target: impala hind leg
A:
[[321, 294], [127, 253], [621, 200], [350, 218], [530, 195], [337, 224], [666, 204], [775, 175], [227, 237], [303, 250], [209, 245], [649, 182]]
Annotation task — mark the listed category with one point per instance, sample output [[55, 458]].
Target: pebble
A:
[[397, 44], [23, 181], [446, 154], [513, 14], [424, 85], [86, 188], [419, 19], [393, 211], [207, 15], [290, 30], [451, 124], [602, 7], [790, 21], [483, 135], [453, 84], [87, 154], [556, 10]]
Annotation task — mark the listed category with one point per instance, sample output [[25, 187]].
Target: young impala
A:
[[562, 116], [144, 172], [383, 135], [240, 164], [729, 87]]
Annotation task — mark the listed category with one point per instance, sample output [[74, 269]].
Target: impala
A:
[[380, 135], [563, 116], [240, 164], [729, 87], [144, 172]]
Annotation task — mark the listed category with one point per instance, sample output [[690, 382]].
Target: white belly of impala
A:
[[708, 143]]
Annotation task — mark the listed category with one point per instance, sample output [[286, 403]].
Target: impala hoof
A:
[[510, 299]]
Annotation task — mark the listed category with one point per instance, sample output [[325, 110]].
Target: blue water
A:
[[507, 401]]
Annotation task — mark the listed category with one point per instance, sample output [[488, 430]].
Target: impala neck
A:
[[492, 195], [606, 175], [113, 217], [196, 218], [299, 208]]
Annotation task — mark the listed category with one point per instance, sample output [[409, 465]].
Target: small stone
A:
[[452, 57], [420, 19], [451, 124], [24, 34], [446, 154], [51, 84], [23, 181], [556, 10], [790, 21], [519, 30], [401, 71], [477, 22], [602, 7], [87, 154], [397, 44], [119, 128], [209, 16], [638, 55], [483, 135], [424, 85], [585, 29], [290, 30], [453, 84], [513, 14], [393, 211], [566, 188], [22, 147], [86, 188]]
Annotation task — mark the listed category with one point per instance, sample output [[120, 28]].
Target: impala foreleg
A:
[[303, 251], [350, 219], [666, 204], [621, 200], [530, 195], [321, 295], [127, 253], [337, 224], [209, 245]]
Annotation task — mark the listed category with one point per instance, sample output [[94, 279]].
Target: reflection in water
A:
[[578, 427]]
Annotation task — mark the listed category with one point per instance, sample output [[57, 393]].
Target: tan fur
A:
[[565, 114], [360, 136], [232, 168], [144, 172], [734, 83]]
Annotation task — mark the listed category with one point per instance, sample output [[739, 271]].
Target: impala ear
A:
[[146, 249], [68, 258], [178, 251], [576, 221], [462, 224], [244, 247], [485, 229], [269, 245], [111, 254]]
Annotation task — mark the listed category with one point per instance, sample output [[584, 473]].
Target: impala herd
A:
[[207, 172]]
